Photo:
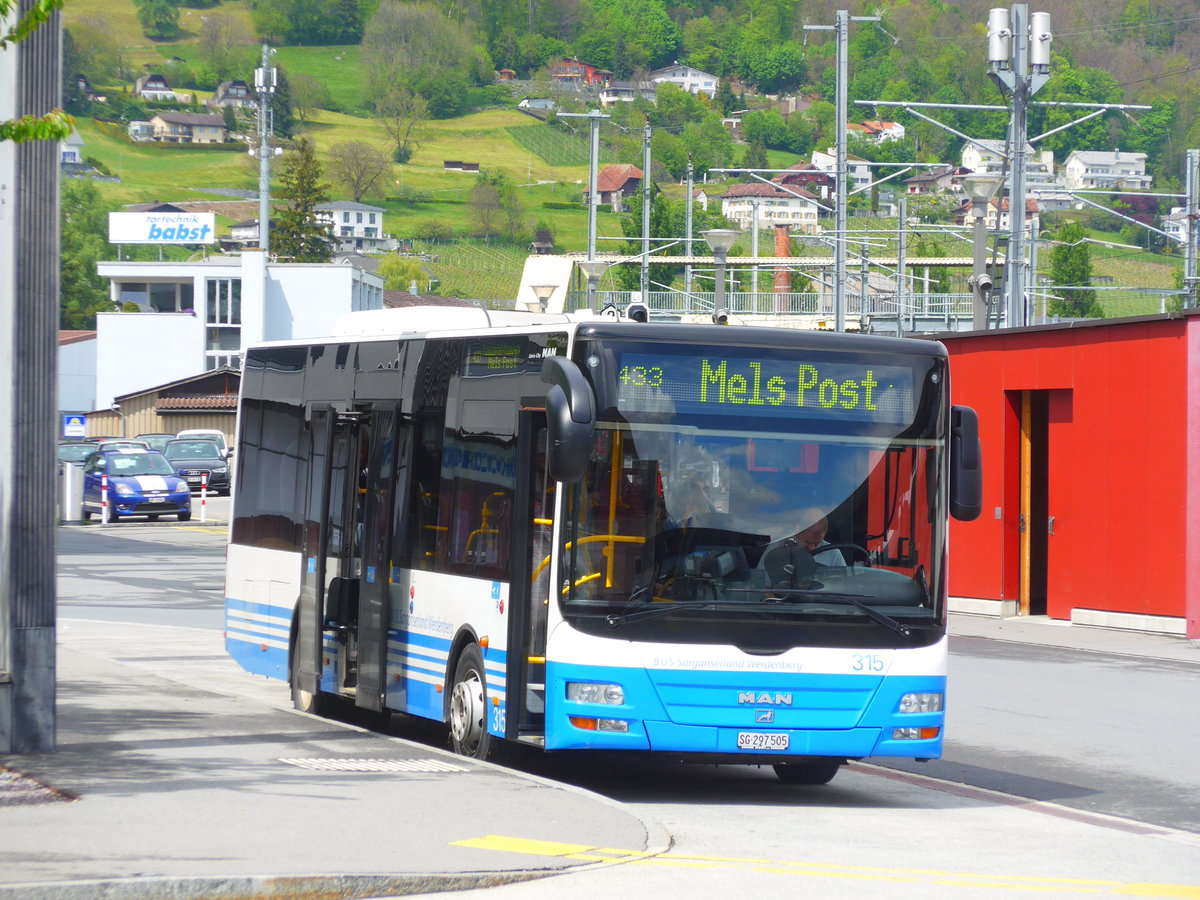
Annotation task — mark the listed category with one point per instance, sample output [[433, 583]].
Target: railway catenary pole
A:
[[842, 34]]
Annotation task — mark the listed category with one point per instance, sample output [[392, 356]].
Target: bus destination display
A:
[[717, 384]]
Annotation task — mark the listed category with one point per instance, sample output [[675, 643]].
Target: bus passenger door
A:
[[334, 517], [383, 496], [529, 595]]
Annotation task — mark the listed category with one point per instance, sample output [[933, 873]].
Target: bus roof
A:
[[468, 321]]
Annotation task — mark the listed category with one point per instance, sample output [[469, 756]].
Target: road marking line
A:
[[813, 869]]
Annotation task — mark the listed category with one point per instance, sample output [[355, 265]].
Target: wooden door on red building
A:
[[1045, 476]]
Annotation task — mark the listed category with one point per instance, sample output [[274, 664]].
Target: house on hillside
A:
[[1103, 170], [876, 131], [990, 158], [692, 80], [941, 179], [188, 128], [572, 72], [355, 226], [70, 149], [997, 217], [773, 205], [857, 168], [626, 92], [235, 94], [810, 177], [506, 75], [615, 183], [154, 87]]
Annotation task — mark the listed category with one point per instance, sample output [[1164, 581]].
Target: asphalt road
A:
[[1099, 732]]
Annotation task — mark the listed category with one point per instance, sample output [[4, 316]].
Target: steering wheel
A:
[[854, 548]]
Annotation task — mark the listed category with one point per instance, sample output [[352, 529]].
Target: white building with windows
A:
[[1103, 170], [772, 205], [690, 79], [197, 316], [355, 226], [989, 157]]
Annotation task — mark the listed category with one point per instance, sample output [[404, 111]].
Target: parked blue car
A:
[[140, 483]]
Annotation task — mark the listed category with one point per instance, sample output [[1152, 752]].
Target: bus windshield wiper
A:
[[661, 609], [853, 599]]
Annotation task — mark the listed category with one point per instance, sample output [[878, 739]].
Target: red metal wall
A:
[[1118, 476]]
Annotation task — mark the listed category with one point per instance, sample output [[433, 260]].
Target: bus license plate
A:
[[757, 740]]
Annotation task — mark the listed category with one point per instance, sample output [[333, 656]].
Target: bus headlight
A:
[[921, 703], [583, 692]]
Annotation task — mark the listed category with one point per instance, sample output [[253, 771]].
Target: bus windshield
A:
[[707, 518]]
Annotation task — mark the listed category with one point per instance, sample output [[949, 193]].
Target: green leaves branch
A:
[[56, 124]]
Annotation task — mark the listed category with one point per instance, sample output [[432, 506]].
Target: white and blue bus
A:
[[588, 533]]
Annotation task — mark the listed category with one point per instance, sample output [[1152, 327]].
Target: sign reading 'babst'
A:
[[162, 228], [730, 385]]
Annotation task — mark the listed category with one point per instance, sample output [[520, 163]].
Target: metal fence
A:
[[947, 307]]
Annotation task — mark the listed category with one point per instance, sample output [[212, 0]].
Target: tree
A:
[[281, 105], [298, 234], [54, 125], [100, 55], [485, 208], [308, 95], [159, 18], [1071, 275], [223, 40], [495, 205], [403, 113], [399, 272], [358, 167], [413, 44], [84, 227], [755, 158]]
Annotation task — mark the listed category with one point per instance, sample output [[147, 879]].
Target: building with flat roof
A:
[[199, 316]]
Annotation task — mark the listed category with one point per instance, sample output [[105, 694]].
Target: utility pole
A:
[[687, 224], [1190, 233], [842, 33], [593, 117], [646, 187], [264, 84], [1019, 62]]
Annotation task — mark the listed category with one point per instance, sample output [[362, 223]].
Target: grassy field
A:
[[340, 69]]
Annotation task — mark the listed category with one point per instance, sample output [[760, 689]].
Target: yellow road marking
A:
[[834, 870]]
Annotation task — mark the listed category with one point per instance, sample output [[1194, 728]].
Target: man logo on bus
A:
[[764, 699]]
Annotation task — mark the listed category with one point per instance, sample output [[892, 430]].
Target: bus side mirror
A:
[[570, 419], [966, 465]]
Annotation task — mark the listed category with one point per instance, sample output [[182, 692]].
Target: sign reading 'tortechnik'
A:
[[162, 228]]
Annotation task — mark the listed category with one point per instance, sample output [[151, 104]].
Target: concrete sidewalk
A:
[[161, 789], [1047, 632]]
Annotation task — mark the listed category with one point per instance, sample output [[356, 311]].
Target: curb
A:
[[251, 887]]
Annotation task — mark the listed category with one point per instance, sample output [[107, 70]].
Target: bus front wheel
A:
[[819, 771], [468, 706]]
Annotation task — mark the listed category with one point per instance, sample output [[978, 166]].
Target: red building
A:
[[576, 71], [1091, 451]]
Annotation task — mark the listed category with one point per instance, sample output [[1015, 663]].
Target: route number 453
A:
[[866, 662]]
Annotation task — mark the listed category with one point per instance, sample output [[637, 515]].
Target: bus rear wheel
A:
[[313, 702], [468, 706], [820, 771]]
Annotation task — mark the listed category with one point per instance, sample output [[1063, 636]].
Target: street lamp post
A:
[[593, 269], [981, 189], [542, 293], [720, 240]]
